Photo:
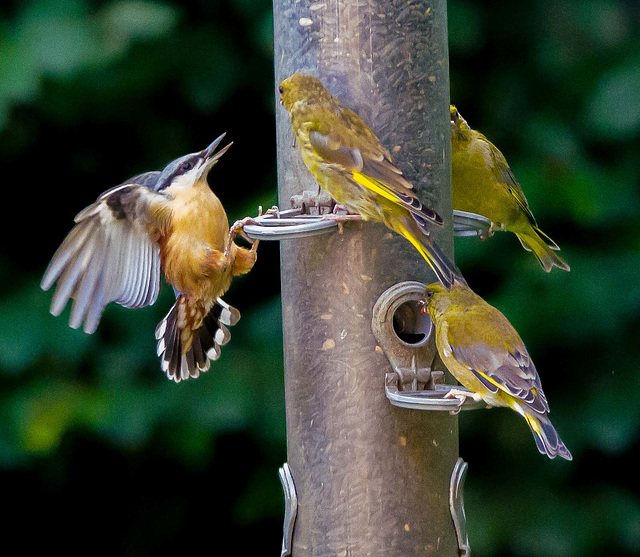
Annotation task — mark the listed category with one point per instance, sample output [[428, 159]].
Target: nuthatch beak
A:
[[210, 157]]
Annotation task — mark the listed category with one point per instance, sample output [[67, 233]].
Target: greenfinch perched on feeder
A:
[[482, 183], [348, 161], [484, 352]]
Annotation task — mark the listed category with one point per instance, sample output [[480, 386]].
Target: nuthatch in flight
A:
[[156, 222]]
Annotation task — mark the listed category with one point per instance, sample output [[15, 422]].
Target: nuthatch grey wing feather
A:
[[111, 255], [147, 179]]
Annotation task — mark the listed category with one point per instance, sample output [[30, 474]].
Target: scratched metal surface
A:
[[372, 479]]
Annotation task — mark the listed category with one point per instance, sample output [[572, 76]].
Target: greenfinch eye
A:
[[281, 89], [424, 303]]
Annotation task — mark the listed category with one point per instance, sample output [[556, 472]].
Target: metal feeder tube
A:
[[371, 479]]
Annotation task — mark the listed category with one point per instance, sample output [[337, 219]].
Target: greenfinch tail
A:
[[547, 439], [440, 264], [543, 247]]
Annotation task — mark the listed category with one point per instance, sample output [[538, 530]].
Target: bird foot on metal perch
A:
[[286, 225], [341, 218], [237, 229], [489, 232], [462, 396]]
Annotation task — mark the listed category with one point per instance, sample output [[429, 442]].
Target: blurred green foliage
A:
[[95, 441]]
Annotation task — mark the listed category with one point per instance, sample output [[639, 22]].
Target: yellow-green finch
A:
[[348, 161], [482, 183], [485, 354]]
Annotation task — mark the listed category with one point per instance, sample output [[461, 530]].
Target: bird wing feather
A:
[[111, 254], [373, 170], [504, 366], [504, 175]]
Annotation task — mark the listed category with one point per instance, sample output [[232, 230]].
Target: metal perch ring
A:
[[469, 224], [287, 225], [428, 399], [292, 223]]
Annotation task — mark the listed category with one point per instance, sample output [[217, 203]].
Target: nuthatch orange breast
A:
[[156, 222]]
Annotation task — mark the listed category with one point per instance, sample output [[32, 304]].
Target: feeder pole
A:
[[371, 479]]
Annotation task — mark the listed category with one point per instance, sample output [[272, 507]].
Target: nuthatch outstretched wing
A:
[[167, 221]]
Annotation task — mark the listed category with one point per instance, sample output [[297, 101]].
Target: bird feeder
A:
[[366, 473]]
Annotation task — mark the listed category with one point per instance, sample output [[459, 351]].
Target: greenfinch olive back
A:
[[485, 354], [483, 183], [348, 161]]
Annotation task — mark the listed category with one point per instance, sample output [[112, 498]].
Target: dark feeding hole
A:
[[411, 326]]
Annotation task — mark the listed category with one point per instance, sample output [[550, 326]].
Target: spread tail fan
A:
[[188, 340]]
